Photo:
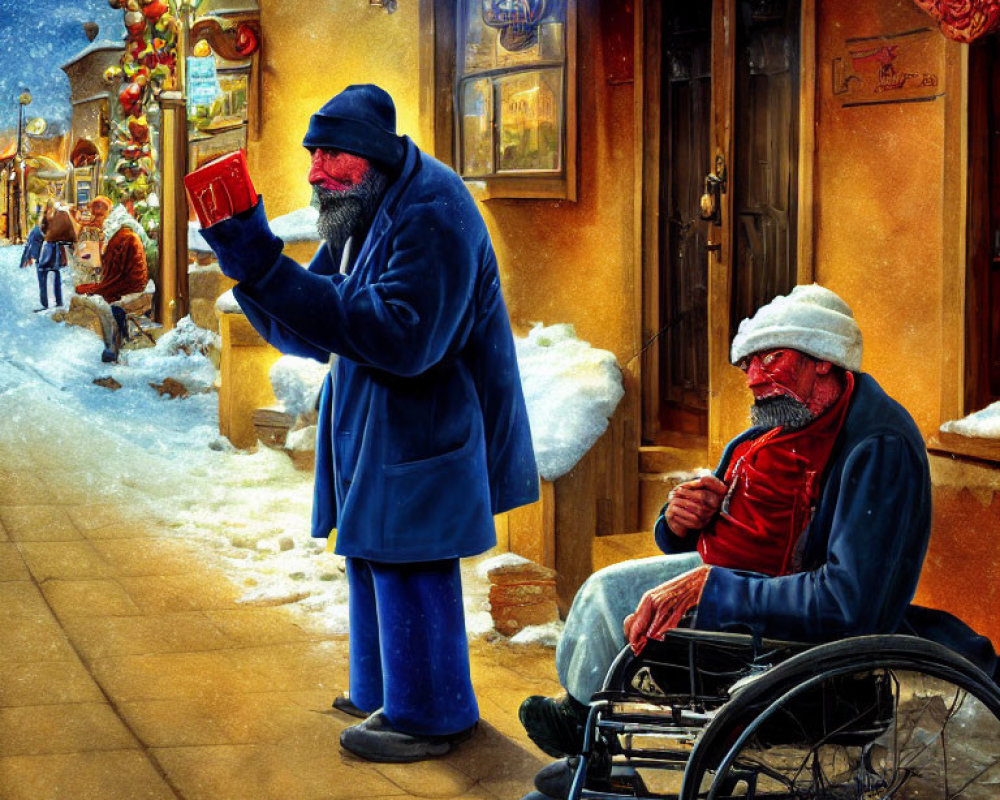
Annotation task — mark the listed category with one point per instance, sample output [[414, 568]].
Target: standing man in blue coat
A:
[[423, 433]]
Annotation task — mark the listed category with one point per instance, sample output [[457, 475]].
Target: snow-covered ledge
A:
[[975, 436], [292, 228]]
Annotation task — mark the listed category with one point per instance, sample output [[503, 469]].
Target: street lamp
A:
[[20, 200]]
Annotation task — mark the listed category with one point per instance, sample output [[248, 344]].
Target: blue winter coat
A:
[[33, 247], [423, 433], [863, 550]]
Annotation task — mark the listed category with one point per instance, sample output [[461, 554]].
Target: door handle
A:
[[716, 184]]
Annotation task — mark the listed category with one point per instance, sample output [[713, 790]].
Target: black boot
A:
[[554, 724], [376, 740]]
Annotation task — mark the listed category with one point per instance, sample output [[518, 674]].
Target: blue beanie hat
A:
[[360, 120]]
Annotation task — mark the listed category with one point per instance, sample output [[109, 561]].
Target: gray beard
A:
[[348, 213], [780, 411]]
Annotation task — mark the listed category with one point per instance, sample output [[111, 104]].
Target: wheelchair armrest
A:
[[702, 664]]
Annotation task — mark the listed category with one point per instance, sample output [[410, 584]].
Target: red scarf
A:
[[773, 487]]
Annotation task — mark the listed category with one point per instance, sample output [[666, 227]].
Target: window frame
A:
[[449, 81], [961, 390]]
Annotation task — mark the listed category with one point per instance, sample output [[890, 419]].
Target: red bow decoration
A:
[[964, 20]]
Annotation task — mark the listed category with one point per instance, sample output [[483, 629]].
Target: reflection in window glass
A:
[[529, 122], [510, 86], [480, 41], [477, 128]]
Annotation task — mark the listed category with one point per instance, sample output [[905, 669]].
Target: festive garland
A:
[[147, 67], [964, 20]]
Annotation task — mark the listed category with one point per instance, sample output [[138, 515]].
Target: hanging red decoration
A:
[[246, 40], [964, 20]]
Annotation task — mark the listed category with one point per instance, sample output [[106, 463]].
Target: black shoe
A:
[[554, 724], [344, 704], [376, 740], [108, 357]]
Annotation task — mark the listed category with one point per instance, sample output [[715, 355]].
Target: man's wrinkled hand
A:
[[662, 608], [693, 504]]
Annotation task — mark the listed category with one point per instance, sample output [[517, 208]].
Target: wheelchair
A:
[[718, 716]]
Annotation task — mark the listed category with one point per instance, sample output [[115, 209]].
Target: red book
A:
[[221, 188]]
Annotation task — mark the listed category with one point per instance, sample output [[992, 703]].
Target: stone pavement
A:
[[128, 670]]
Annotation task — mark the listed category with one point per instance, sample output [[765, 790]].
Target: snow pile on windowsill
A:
[[571, 390], [983, 424], [296, 383], [226, 303], [196, 242], [296, 226], [302, 440]]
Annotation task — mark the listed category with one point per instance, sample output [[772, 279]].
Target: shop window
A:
[[514, 96], [982, 378], [217, 105]]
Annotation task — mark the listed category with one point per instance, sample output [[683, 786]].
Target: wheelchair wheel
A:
[[869, 718]]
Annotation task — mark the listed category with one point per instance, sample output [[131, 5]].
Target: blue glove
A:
[[244, 244]]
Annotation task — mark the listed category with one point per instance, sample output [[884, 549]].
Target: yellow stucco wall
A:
[[572, 261], [879, 196], [310, 52]]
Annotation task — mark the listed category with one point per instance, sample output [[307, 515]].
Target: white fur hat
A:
[[810, 319]]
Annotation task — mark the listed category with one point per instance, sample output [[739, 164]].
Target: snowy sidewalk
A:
[[167, 630], [129, 670]]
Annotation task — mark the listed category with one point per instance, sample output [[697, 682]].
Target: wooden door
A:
[[686, 147], [728, 103]]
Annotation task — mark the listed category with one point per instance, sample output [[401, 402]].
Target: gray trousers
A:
[[594, 633]]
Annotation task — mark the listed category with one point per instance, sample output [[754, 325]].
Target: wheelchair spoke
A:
[[911, 738], [874, 718]]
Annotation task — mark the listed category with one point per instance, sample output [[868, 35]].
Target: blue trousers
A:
[[408, 651], [43, 293], [49, 261]]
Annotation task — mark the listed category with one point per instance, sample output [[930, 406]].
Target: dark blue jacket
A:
[[423, 432], [33, 247], [863, 550]]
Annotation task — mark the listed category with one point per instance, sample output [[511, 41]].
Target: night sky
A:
[[36, 38]]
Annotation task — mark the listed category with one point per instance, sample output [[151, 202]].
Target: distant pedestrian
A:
[[58, 230]]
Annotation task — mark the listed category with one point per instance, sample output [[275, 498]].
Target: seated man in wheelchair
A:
[[813, 528]]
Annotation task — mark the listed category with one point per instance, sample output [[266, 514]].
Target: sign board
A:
[[202, 81]]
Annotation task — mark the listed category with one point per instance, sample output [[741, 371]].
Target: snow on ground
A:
[[164, 457], [984, 423], [247, 511]]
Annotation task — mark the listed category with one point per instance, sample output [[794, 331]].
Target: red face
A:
[[783, 371], [336, 170]]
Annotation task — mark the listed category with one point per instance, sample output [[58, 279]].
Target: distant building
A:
[[90, 95]]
